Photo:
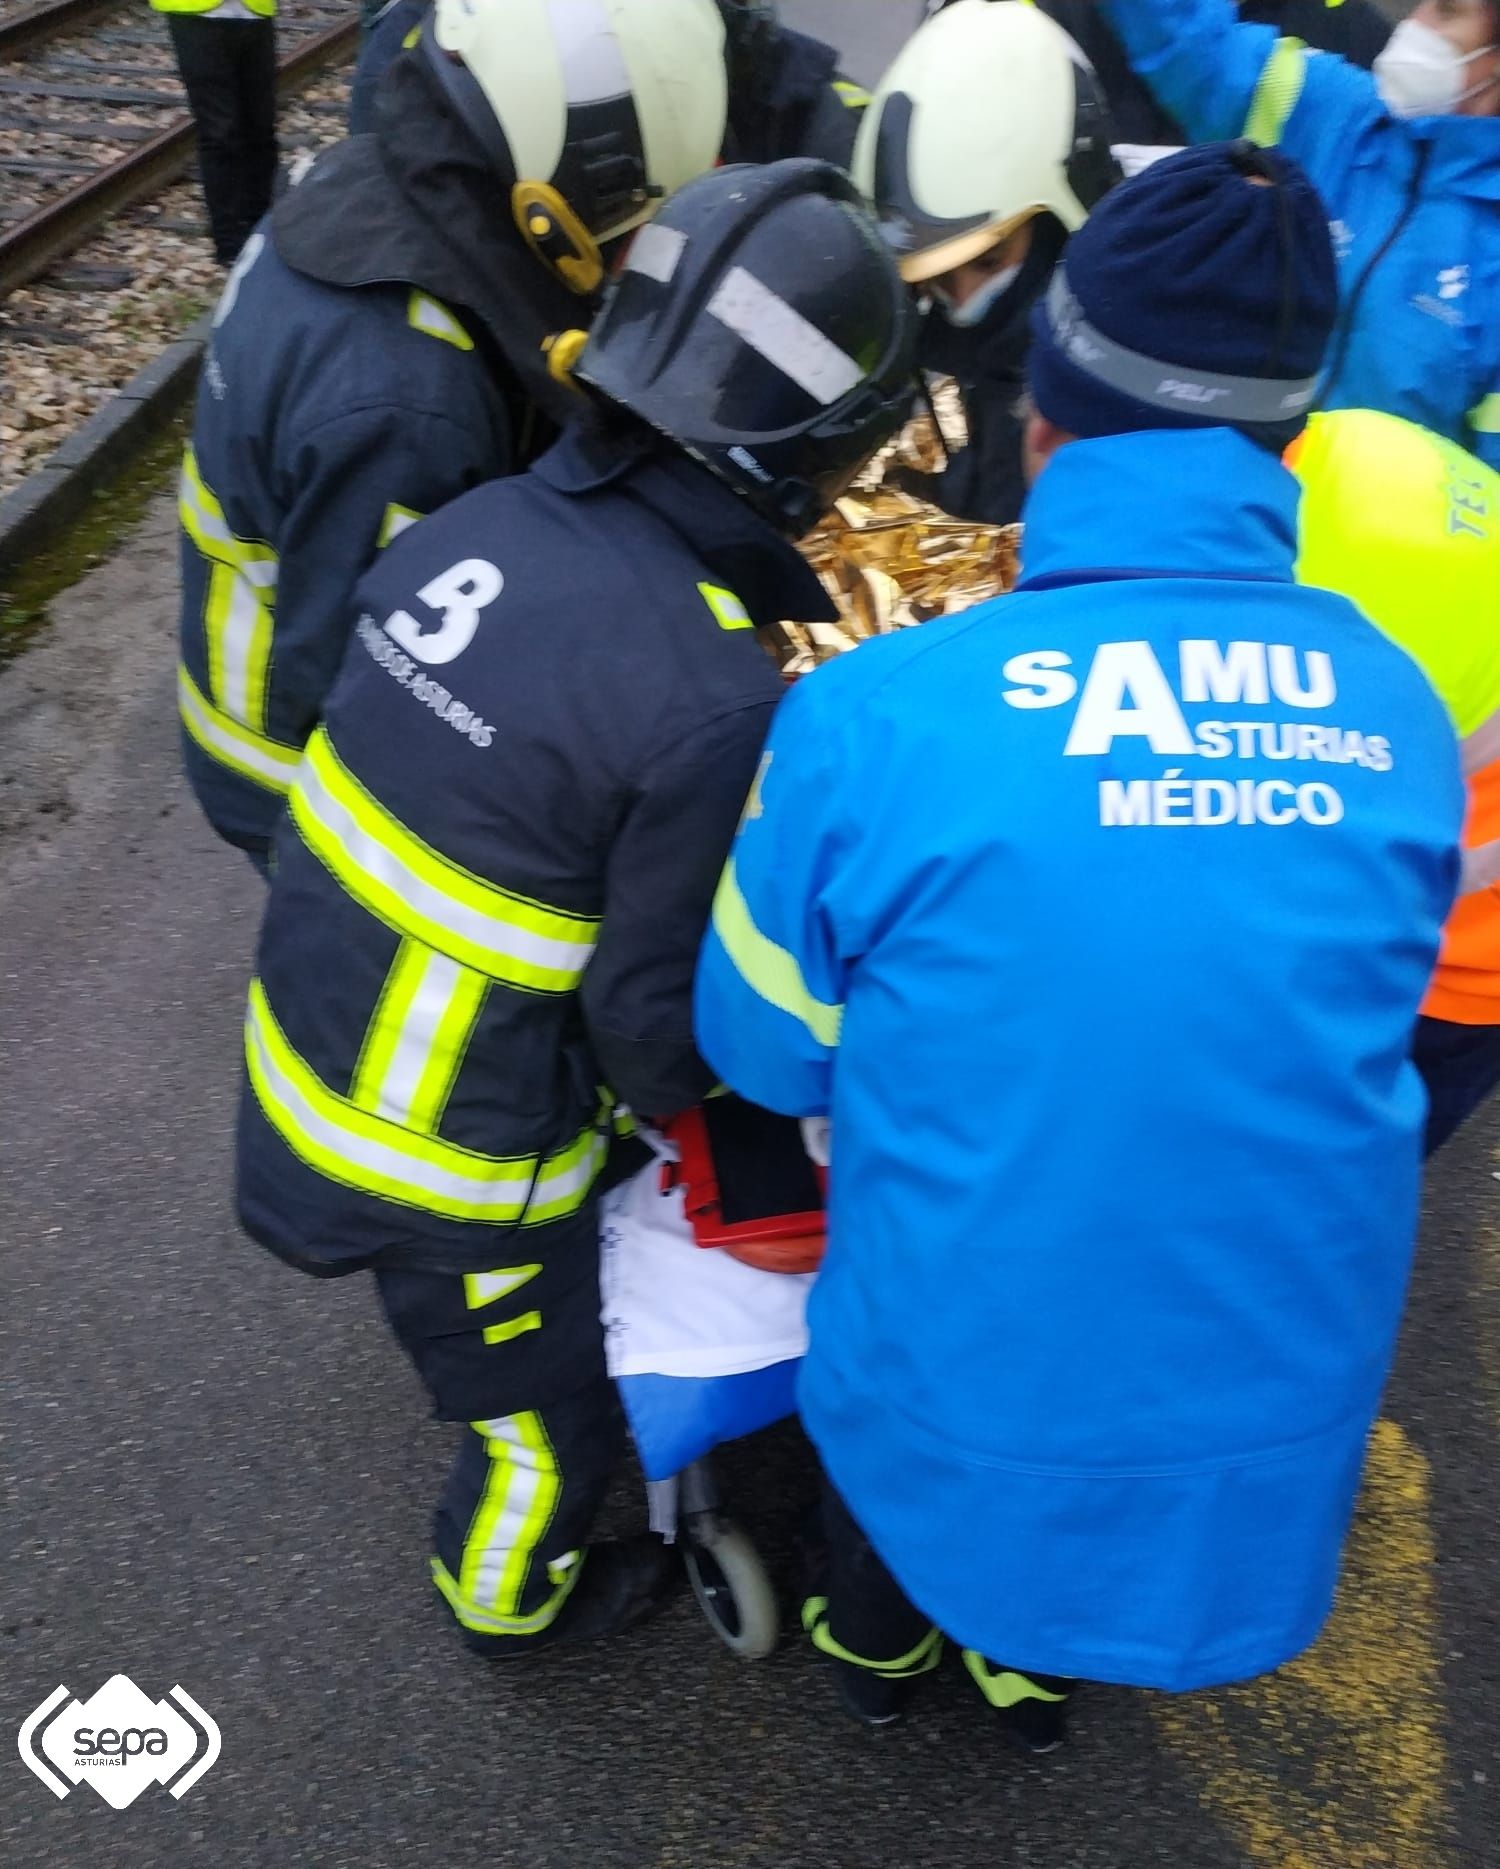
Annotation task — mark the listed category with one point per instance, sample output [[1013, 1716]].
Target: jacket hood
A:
[[416, 203], [765, 571]]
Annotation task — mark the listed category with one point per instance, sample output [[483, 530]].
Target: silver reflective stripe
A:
[[412, 1052], [588, 49], [264, 760], [655, 251], [782, 336], [517, 1480], [1481, 868], [1481, 747], [441, 907], [1184, 389], [244, 619], [412, 1167]]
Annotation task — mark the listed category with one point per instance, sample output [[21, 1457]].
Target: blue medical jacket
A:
[[1098, 918], [1414, 205]]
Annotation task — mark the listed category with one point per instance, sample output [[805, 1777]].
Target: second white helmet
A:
[[604, 107], [989, 115]]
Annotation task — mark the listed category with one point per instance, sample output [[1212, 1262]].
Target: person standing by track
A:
[[226, 56], [381, 345]]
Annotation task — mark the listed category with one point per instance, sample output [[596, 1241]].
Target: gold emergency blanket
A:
[[890, 560]]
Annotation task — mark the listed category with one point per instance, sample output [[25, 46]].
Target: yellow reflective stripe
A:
[[417, 1038], [482, 1288], [1005, 1687], [237, 615], [238, 628], [1276, 95], [512, 1328], [252, 755], [412, 38], [565, 1576], [1484, 417], [433, 319], [852, 96], [361, 1150], [728, 611], [519, 1501], [394, 521], [418, 892], [771, 971], [487, 1288], [919, 1660]]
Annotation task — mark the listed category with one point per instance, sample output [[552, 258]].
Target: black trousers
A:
[[1460, 1065], [867, 1622], [228, 68], [521, 1496]]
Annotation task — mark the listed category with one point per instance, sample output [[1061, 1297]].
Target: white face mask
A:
[[974, 308], [1419, 74]]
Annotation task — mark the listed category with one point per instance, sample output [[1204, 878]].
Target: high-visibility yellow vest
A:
[[1408, 526], [263, 9]]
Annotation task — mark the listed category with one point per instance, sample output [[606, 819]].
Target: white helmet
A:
[[593, 111], [989, 116]]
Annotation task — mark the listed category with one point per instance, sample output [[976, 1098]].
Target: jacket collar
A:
[[416, 203], [1464, 153], [1174, 503], [764, 570]]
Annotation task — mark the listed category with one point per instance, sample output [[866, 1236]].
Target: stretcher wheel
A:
[[733, 1591]]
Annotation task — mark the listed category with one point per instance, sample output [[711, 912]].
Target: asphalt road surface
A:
[[218, 1474]]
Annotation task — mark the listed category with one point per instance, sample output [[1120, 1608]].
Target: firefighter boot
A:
[[620, 1583], [1033, 1707]]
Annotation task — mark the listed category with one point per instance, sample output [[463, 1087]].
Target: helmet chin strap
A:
[[557, 237]]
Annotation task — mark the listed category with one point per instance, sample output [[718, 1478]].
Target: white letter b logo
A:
[[460, 594]]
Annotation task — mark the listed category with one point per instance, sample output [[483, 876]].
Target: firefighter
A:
[[985, 145], [500, 853], [1356, 29], [1408, 525], [380, 344], [787, 96], [1097, 919]]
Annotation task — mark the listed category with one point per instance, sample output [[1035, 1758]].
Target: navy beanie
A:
[[1195, 296]]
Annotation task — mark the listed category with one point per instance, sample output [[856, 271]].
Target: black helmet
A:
[[760, 324]]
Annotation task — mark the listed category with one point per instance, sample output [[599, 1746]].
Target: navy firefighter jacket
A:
[[499, 860], [327, 420]]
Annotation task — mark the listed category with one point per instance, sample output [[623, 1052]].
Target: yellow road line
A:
[[1338, 1761]]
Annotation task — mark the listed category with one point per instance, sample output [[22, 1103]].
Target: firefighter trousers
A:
[[513, 1520]]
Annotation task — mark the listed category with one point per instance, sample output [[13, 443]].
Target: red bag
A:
[[749, 1187]]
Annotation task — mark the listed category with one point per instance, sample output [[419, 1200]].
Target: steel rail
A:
[[46, 21], [64, 223]]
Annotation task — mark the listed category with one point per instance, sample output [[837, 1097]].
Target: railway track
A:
[[93, 118]]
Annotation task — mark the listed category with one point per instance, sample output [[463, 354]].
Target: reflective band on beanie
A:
[[785, 339], [1183, 388]]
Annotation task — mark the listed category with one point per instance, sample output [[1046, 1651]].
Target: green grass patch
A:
[[28, 589]]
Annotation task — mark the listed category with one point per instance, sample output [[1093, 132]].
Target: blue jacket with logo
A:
[[1098, 919], [1415, 206]]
